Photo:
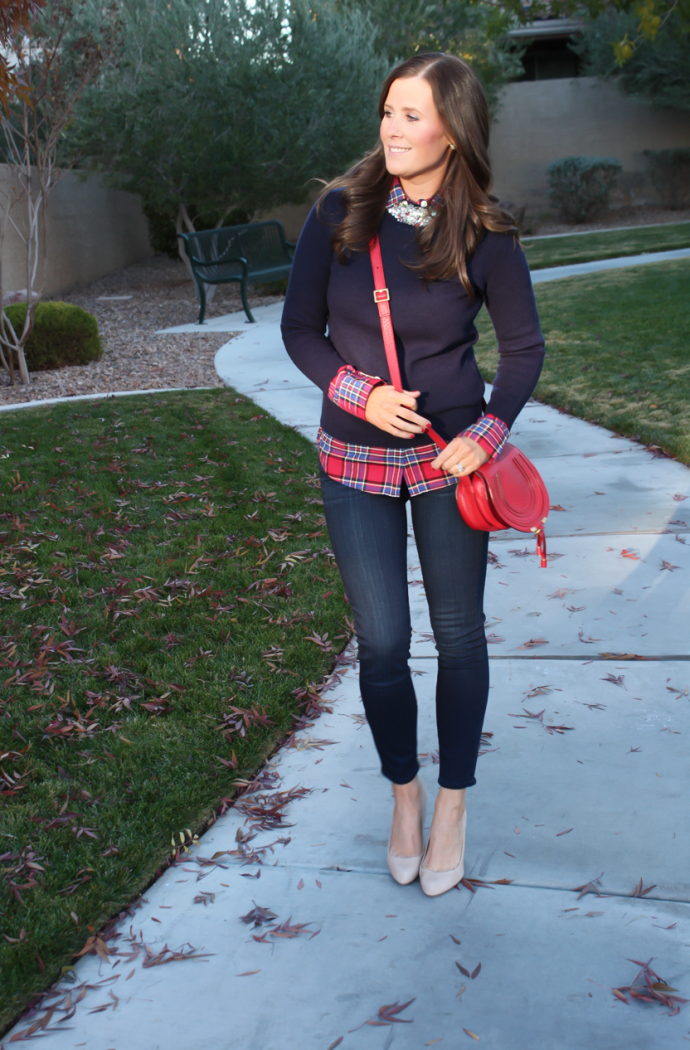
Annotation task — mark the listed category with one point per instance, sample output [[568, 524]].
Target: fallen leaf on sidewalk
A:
[[668, 565], [533, 643], [640, 892], [589, 887], [621, 656], [387, 1015], [679, 497], [648, 987], [336, 1042], [258, 915], [566, 832], [472, 1035], [556, 506], [247, 973]]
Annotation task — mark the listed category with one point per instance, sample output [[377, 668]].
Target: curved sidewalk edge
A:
[[556, 273], [95, 397]]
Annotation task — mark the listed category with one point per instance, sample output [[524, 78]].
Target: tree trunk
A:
[[183, 219]]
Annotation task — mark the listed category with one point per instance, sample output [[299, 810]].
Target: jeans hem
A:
[[397, 779]]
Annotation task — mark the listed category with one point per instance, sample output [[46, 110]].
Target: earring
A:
[[453, 146]]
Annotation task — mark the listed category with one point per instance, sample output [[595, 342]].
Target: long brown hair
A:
[[468, 209]]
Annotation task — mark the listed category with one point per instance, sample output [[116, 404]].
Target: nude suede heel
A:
[[436, 882], [406, 869]]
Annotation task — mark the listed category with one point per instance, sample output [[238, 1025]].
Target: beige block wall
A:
[[92, 230], [543, 120]]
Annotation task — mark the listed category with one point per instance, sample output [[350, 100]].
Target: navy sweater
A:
[[330, 319]]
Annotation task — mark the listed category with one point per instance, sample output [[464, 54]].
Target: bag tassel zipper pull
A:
[[541, 547]]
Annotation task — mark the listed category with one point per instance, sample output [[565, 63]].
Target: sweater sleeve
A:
[[305, 313], [506, 288]]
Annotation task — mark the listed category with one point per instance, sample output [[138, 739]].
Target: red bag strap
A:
[[382, 299]]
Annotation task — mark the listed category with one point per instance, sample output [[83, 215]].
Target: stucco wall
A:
[[92, 231], [543, 120]]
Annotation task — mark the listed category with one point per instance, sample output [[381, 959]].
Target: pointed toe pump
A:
[[406, 869], [436, 882]]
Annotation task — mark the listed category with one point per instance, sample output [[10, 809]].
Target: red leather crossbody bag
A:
[[508, 492]]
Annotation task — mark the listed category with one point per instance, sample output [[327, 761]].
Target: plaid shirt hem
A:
[[381, 470], [350, 389]]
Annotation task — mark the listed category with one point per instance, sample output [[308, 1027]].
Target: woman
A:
[[447, 248]]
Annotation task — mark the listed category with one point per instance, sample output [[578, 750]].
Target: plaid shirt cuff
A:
[[350, 389], [490, 432]]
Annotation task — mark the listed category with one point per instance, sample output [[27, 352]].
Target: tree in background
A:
[[57, 52], [15, 15], [215, 110], [474, 30], [653, 65], [645, 44]]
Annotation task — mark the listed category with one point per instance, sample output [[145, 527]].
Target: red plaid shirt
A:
[[381, 470]]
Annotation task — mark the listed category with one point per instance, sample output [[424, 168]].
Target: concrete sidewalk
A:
[[582, 779]]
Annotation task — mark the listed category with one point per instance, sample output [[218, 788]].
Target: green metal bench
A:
[[255, 253]]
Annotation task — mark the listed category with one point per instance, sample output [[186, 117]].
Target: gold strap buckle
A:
[[382, 295]]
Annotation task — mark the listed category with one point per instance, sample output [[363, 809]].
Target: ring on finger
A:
[[458, 468]]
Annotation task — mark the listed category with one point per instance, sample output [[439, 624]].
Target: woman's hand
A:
[[461, 456], [394, 411]]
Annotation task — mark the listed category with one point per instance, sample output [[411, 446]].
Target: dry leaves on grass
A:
[[20, 871], [239, 720], [648, 987]]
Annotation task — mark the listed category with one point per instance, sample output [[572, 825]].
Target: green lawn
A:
[[163, 560], [585, 247], [618, 351]]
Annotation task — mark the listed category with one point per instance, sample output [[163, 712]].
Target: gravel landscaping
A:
[[157, 293]]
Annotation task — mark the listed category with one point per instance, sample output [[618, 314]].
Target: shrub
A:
[[581, 186], [670, 173], [63, 334]]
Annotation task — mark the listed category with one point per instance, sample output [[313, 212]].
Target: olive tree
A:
[[218, 109]]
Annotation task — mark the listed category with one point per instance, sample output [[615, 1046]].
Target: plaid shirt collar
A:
[[397, 195], [412, 213]]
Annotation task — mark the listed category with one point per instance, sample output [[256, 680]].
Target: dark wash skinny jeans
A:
[[369, 537]]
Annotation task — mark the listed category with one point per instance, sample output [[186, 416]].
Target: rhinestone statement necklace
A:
[[410, 212]]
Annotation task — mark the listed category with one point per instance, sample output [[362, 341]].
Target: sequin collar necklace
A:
[[414, 213]]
